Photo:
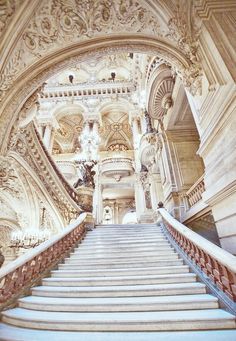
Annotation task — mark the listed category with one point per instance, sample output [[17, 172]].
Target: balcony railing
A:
[[194, 194], [87, 90]]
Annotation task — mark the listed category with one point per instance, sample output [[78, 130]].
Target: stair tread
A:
[[124, 317], [108, 271], [12, 333], [53, 279], [119, 300], [124, 287]]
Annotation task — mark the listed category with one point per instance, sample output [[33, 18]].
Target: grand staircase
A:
[[121, 278]]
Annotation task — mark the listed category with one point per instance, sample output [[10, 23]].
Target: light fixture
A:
[[30, 238]]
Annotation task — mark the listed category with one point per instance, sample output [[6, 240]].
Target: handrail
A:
[[70, 189], [218, 264], [21, 274]]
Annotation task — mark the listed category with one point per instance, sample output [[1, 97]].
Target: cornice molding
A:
[[215, 196], [205, 8]]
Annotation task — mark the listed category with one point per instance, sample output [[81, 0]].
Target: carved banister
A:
[[72, 192], [27, 148], [194, 194], [18, 276], [218, 264]]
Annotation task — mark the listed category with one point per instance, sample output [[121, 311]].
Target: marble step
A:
[[126, 248], [169, 289], [125, 265], [123, 255], [126, 226], [127, 253], [127, 229], [120, 272], [137, 235], [125, 232], [124, 236], [124, 280], [12, 333], [125, 321], [81, 260], [119, 304], [125, 242], [101, 240]]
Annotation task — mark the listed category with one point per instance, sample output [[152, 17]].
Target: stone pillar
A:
[[135, 131], [143, 124], [99, 204], [47, 137], [116, 212], [156, 190], [95, 127], [139, 198]]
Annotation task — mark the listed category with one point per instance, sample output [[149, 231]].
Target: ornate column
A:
[[47, 136], [116, 212], [143, 123], [139, 197], [99, 204], [149, 128], [135, 131]]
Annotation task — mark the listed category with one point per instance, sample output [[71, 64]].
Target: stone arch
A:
[[32, 78], [75, 108]]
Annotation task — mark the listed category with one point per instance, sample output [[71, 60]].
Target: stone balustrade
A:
[[18, 276], [216, 263], [194, 194], [99, 89]]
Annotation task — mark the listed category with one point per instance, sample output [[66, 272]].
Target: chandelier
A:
[[28, 239]]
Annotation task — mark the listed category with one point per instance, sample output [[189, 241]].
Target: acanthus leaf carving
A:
[[7, 10], [77, 19], [8, 178]]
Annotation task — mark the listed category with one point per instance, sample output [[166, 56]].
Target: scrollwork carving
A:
[[55, 22], [8, 74], [7, 10], [7, 175], [185, 33], [58, 20]]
